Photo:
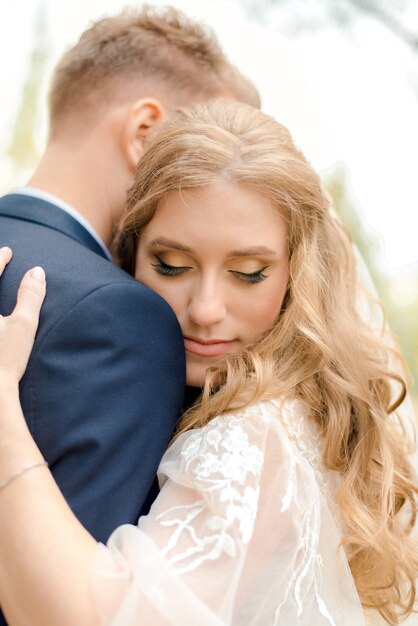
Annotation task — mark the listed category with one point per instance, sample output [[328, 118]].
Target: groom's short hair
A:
[[149, 52]]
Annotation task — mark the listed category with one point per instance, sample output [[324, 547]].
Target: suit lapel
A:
[[31, 209]]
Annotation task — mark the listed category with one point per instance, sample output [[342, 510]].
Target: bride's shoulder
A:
[[231, 441], [244, 430], [280, 428]]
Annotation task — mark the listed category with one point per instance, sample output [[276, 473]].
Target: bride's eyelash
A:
[[168, 270], [164, 269], [253, 278]]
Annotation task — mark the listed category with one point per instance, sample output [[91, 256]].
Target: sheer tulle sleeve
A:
[[240, 535]]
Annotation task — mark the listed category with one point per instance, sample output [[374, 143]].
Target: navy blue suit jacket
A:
[[105, 382]]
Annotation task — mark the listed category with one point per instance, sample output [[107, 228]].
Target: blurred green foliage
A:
[[22, 149], [397, 290]]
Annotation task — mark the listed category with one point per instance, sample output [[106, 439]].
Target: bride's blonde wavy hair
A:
[[320, 349]]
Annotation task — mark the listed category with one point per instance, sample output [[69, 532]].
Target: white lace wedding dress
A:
[[245, 532]]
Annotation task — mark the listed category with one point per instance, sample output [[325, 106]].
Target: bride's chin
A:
[[195, 375], [195, 381], [196, 369]]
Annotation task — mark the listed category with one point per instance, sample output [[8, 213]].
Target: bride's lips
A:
[[202, 347]]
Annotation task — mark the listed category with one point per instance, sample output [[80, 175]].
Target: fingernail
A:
[[38, 273], [5, 249]]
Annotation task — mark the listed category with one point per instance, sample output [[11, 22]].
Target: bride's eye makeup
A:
[[168, 269], [164, 269], [251, 277]]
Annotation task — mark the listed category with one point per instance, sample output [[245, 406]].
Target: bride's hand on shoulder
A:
[[18, 330]]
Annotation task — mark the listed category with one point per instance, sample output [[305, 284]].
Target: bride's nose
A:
[[207, 304]]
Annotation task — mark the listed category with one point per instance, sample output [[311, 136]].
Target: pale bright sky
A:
[[347, 99]]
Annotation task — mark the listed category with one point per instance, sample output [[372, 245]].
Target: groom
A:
[[104, 386]]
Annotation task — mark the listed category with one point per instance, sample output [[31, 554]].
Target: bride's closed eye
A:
[[166, 269], [252, 277], [169, 270]]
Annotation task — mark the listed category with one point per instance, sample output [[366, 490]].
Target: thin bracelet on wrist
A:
[[20, 473]]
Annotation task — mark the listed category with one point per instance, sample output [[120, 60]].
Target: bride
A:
[[286, 495]]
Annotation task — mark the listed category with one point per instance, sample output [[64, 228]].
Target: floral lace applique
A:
[[307, 438], [225, 469]]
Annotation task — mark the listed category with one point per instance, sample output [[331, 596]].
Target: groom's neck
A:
[[83, 182]]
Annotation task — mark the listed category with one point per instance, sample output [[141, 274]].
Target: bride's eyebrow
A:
[[169, 243], [163, 242], [254, 251]]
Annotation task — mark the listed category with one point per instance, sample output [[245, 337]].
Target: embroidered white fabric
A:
[[244, 533]]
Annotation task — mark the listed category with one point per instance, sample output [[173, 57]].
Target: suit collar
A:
[[38, 211]]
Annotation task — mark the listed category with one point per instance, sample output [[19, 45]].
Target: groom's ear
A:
[[143, 119]]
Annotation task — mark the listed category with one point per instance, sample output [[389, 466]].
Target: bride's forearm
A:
[[46, 556]]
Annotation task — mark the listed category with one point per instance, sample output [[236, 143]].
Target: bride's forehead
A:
[[231, 218], [220, 201]]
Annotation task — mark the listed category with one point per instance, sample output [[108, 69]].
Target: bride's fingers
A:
[[30, 297], [5, 257], [18, 330]]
